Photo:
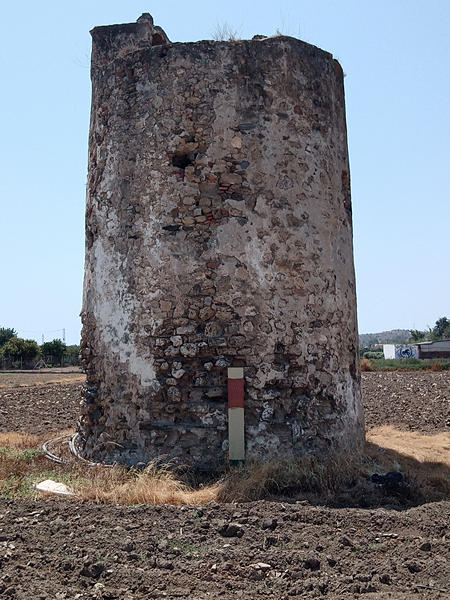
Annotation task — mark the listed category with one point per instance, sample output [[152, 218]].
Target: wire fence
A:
[[42, 362]]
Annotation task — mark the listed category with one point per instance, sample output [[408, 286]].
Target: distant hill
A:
[[394, 336]]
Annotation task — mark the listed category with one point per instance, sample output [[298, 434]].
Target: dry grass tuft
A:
[[13, 439], [366, 365], [74, 379], [154, 485], [309, 475], [436, 366], [224, 32], [36, 379]]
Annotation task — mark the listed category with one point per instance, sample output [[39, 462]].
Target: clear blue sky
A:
[[396, 54]]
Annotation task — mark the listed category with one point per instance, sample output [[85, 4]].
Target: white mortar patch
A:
[[113, 315]]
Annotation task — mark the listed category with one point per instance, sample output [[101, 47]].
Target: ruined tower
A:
[[218, 234]]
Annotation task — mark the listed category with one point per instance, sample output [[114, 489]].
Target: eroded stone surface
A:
[[219, 233]]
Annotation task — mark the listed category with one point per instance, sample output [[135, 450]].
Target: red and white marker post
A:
[[236, 415]]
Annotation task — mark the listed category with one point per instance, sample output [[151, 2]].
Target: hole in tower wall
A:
[[157, 40], [182, 160]]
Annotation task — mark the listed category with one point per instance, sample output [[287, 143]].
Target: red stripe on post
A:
[[235, 393]]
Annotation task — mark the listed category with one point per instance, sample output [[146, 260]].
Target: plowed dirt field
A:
[[63, 549]]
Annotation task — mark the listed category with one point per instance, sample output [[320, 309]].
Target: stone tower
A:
[[218, 234]]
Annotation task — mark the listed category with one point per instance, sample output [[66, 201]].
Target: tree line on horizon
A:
[[25, 353]]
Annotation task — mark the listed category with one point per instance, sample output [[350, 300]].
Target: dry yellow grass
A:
[[151, 486], [423, 448], [366, 365], [19, 440], [74, 379], [32, 378], [423, 459], [311, 475], [13, 439]]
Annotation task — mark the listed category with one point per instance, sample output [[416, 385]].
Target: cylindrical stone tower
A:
[[218, 233]]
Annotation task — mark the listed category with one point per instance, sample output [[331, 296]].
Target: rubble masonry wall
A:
[[218, 233]]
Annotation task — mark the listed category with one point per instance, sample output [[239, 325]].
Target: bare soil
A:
[[62, 549], [16, 379], [411, 401], [40, 409], [54, 547], [407, 400]]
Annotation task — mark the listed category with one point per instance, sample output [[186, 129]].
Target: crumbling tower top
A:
[[108, 40]]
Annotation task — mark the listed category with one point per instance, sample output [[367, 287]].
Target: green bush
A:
[[55, 349], [72, 355], [20, 349]]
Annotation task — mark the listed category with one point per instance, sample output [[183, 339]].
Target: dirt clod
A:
[[312, 563], [231, 530]]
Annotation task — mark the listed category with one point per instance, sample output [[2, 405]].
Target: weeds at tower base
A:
[[341, 480]]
